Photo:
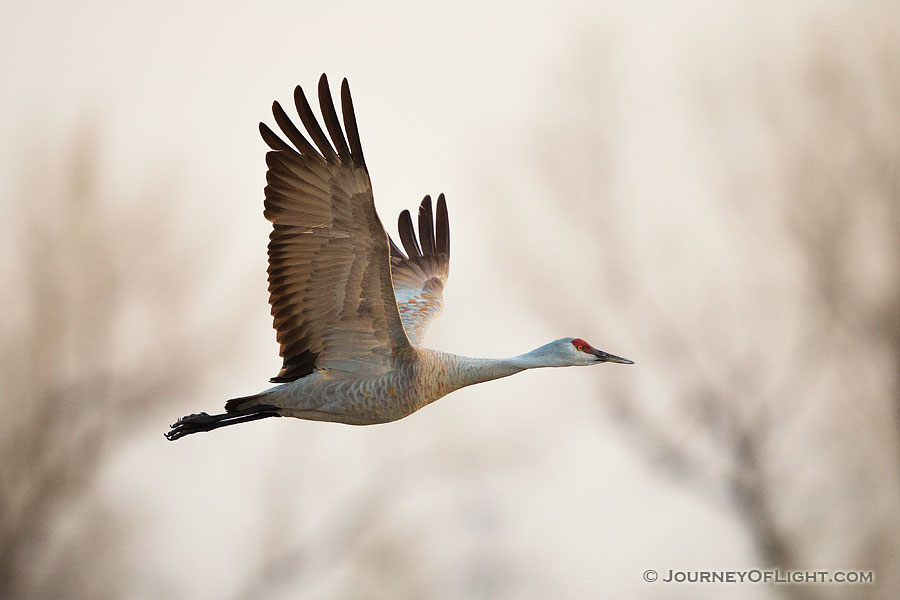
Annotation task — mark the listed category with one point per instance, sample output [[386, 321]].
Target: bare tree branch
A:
[[69, 388]]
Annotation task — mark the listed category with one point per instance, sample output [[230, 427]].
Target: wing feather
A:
[[426, 229], [331, 119], [442, 222], [350, 125], [408, 235], [308, 118], [273, 141], [419, 278], [330, 283], [290, 130]]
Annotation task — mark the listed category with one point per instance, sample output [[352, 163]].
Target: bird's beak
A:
[[607, 357]]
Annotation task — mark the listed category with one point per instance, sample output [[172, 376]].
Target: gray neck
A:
[[469, 371]]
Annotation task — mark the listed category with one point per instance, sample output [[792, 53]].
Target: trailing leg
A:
[[206, 422]]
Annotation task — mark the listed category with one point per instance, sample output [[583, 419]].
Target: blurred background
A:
[[711, 189]]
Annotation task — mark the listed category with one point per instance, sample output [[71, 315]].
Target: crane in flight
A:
[[350, 307]]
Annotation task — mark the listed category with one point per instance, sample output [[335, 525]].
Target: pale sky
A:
[[449, 98]]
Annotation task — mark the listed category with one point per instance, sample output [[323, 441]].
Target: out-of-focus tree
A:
[[769, 368], [98, 341]]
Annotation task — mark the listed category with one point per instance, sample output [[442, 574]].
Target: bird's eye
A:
[[580, 348]]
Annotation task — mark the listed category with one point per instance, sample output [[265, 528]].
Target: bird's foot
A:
[[194, 419], [191, 424]]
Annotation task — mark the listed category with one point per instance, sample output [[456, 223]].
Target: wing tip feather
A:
[[332, 124], [442, 227], [350, 126], [426, 226]]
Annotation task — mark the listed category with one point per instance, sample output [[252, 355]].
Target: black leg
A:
[[206, 422]]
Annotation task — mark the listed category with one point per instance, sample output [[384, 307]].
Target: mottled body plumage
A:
[[328, 395]]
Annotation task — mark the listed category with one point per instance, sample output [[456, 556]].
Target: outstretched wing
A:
[[329, 261], [419, 278]]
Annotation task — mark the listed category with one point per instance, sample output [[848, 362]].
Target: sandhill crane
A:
[[350, 307]]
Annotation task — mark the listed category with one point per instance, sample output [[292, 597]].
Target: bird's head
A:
[[571, 352]]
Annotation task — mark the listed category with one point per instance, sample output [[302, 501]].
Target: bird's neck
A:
[[464, 371]]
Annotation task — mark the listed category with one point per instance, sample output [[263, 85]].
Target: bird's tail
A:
[[243, 402]]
